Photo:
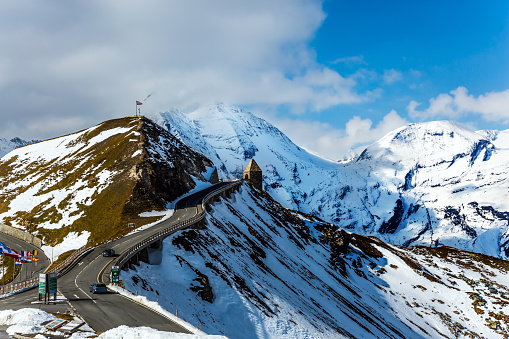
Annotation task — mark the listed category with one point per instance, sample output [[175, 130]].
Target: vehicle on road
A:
[[109, 252], [98, 288]]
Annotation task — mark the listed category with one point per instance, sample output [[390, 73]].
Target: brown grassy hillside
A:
[[96, 180]]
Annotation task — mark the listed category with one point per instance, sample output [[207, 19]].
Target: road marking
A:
[[80, 263], [77, 275]]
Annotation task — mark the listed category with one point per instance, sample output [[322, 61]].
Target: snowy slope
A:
[[90, 184], [260, 271], [430, 183], [8, 145]]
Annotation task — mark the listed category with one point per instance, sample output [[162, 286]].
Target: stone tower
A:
[[253, 175]]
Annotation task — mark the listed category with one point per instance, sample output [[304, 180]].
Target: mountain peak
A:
[[93, 182], [425, 143]]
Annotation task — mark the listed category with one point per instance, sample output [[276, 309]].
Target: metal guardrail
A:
[[65, 265], [129, 253]]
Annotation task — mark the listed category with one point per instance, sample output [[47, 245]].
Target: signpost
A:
[[115, 274], [47, 286]]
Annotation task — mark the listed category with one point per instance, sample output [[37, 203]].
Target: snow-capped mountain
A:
[[231, 136], [8, 145], [430, 183], [92, 183], [447, 185], [261, 271]]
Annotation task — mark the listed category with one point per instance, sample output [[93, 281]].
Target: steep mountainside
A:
[[8, 145], [430, 183], [91, 184], [261, 271]]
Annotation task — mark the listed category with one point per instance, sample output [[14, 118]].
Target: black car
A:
[[109, 252]]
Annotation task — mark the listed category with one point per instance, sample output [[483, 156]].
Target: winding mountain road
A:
[[19, 245], [105, 311]]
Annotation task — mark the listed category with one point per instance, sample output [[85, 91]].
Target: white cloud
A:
[[390, 76], [492, 106], [351, 60], [93, 59], [334, 143]]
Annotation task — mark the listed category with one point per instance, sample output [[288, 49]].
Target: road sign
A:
[[115, 274], [42, 283], [52, 283]]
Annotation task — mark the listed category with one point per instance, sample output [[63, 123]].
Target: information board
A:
[[42, 283], [52, 283]]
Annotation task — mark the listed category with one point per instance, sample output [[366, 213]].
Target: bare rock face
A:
[[204, 289], [167, 169]]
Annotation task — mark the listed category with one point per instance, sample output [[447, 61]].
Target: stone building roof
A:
[[252, 167]]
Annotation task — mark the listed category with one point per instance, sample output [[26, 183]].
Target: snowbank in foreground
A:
[[29, 320], [122, 332]]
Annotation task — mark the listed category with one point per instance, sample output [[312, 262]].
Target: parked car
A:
[[98, 288], [109, 252]]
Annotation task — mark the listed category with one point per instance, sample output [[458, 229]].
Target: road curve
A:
[[31, 269], [105, 311]]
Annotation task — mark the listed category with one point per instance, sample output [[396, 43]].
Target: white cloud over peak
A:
[[492, 106], [336, 144], [93, 59]]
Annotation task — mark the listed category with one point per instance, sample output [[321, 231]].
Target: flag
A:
[[35, 259], [17, 263], [138, 103], [36, 252], [30, 254], [8, 252]]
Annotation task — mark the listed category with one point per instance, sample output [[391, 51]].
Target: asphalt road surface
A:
[[105, 311], [29, 270]]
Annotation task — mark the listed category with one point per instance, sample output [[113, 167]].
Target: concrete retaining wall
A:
[[17, 233]]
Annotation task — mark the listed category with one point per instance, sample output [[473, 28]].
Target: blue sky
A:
[[407, 53], [332, 75], [435, 46]]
